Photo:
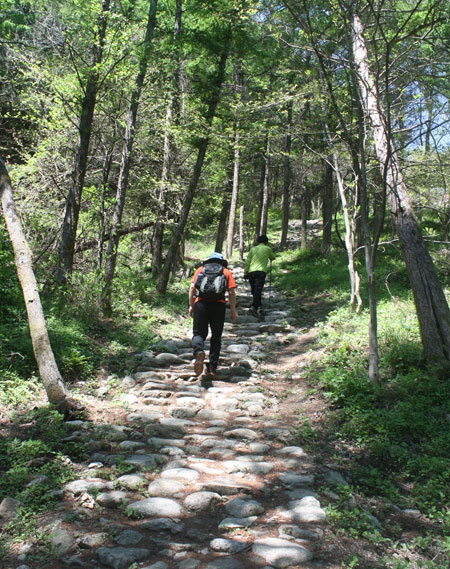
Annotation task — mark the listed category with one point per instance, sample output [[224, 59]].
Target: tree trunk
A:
[[260, 200], [234, 194], [446, 227], [304, 204], [265, 192], [172, 115], [327, 207], [158, 235], [122, 184], [226, 202], [369, 247], [432, 309], [57, 393], [350, 229], [241, 233], [189, 196], [287, 179], [238, 86], [73, 201], [100, 242], [358, 152]]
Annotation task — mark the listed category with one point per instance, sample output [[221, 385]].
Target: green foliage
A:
[[309, 271], [394, 431], [37, 451], [17, 15], [10, 293], [15, 390], [81, 340], [350, 521], [390, 421], [72, 348], [16, 353]]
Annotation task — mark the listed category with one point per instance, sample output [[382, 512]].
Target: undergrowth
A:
[[394, 433], [35, 463]]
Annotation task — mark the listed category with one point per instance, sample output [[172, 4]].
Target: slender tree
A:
[[305, 211], [172, 118], [73, 201], [55, 388], [432, 309], [239, 81], [349, 213], [287, 177], [234, 193], [226, 202], [327, 206], [122, 184], [263, 201]]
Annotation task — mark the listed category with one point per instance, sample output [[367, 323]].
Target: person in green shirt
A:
[[255, 270]]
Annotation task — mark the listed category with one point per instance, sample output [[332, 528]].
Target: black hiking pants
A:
[[208, 314], [257, 280]]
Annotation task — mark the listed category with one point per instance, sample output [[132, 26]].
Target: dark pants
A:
[[208, 314], [257, 280]]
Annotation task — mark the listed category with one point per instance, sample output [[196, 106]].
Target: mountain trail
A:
[[204, 473]]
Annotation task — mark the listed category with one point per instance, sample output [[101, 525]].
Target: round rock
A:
[[112, 499], [281, 553], [165, 488], [187, 474], [229, 546], [163, 507], [131, 481], [201, 501], [240, 508], [121, 557]]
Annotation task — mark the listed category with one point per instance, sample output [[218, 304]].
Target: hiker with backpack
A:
[[207, 306], [255, 270]]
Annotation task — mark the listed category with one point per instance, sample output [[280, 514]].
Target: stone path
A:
[[201, 475]]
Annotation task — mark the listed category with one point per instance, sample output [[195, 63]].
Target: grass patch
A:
[[398, 427], [393, 436], [308, 271]]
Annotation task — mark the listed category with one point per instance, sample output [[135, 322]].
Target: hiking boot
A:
[[198, 364], [260, 314], [253, 311], [210, 369]]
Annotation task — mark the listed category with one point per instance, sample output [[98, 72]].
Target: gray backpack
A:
[[211, 283]]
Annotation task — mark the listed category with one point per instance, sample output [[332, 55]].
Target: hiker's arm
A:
[[232, 297], [191, 298]]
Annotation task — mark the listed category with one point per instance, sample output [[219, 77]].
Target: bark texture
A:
[[327, 207], [432, 309], [265, 191], [287, 179], [45, 359], [226, 202], [350, 231], [234, 195]]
